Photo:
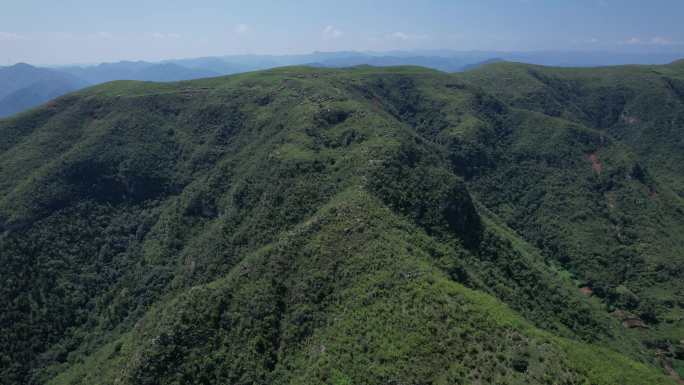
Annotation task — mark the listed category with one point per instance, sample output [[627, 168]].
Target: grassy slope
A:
[[294, 225]]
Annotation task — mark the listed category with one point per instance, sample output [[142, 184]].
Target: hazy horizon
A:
[[479, 55], [82, 32]]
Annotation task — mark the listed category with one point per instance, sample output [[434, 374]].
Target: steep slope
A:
[[642, 106], [36, 94], [308, 226], [23, 86], [374, 312], [605, 200]]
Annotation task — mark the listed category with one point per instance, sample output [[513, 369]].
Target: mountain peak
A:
[[22, 66]]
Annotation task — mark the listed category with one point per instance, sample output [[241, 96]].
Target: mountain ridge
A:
[[194, 68], [308, 225]]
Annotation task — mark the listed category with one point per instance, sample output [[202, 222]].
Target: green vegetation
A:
[[358, 226]]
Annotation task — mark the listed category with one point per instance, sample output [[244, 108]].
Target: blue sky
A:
[[83, 31]]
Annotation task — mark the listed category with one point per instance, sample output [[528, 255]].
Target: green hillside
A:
[[357, 226]]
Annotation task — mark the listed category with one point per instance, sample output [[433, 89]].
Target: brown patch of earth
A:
[[586, 290], [629, 320], [633, 323], [596, 164]]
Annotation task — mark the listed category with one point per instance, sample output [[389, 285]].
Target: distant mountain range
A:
[[158, 72], [23, 86]]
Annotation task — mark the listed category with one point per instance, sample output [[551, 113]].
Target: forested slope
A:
[[339, 226]]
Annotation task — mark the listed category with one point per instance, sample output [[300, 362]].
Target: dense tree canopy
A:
[[509, 225]]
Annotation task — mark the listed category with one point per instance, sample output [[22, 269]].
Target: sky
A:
[[91, 31]]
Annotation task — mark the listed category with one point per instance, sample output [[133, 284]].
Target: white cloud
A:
[[657, 40], [632, 41], [398, 35], [404, 36], [241, 29], [10, 36], [331, 32]]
